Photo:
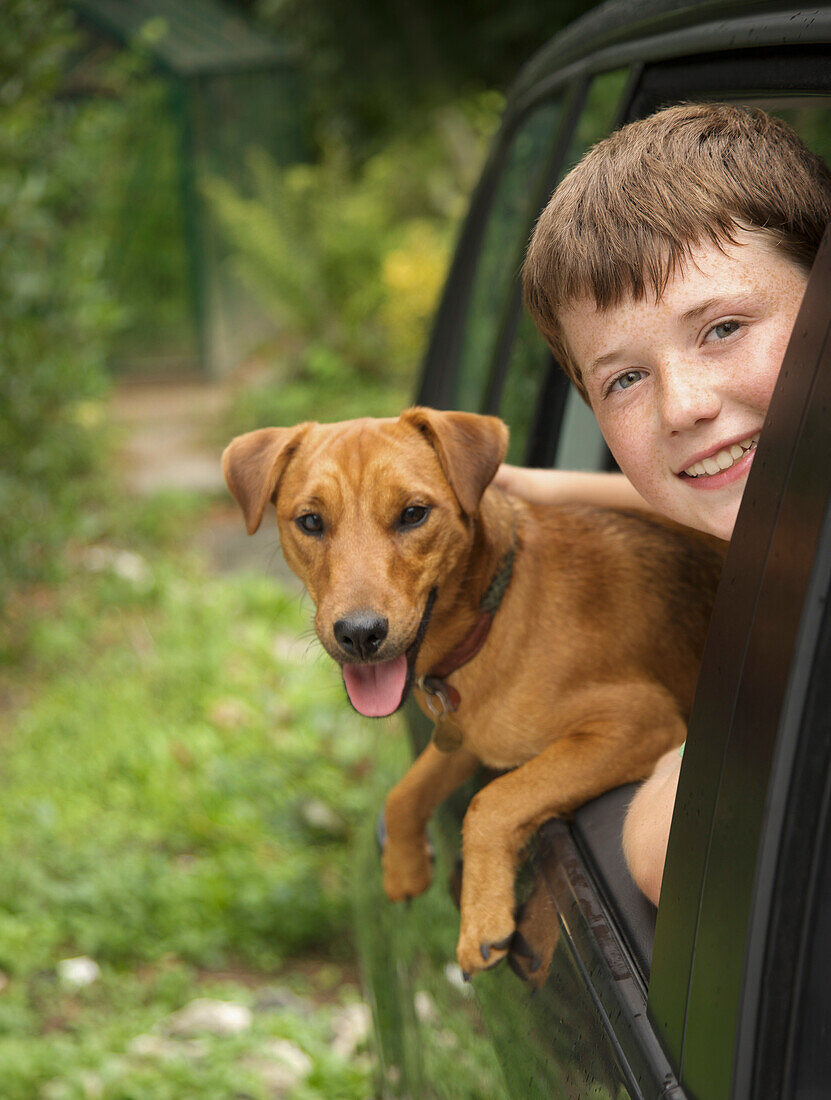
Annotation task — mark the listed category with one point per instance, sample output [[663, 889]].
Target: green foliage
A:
[[93, 255], [139, 210], [55, 310], [162, 777], [373, 66], [350, 261], [182, 786]]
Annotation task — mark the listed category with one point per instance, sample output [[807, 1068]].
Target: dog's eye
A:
[[310, 523], [413, 516]]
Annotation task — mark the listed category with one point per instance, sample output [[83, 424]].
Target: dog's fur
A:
[[587, 674]]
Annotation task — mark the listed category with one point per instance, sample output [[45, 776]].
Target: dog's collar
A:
[[433, 684]]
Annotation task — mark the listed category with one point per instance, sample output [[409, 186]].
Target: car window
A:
[[580, 445], [712, 930], [506, 360], [529, 355], [530, 358], [598, 116], [510, 214], [812, 121]]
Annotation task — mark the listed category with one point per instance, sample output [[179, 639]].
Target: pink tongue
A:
[[376, 690]]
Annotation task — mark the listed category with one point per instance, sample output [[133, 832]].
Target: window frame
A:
[[437, 386]]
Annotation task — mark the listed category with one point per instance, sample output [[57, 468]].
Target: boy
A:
[[665, 274]]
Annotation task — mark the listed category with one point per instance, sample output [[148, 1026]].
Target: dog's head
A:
[[374, 515]]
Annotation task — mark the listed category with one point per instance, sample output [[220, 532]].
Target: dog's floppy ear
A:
[[469, 447], [253, 465]]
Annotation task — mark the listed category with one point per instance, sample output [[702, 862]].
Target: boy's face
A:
[[680, 386]]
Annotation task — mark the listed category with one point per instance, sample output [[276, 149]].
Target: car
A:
[[725, 990]]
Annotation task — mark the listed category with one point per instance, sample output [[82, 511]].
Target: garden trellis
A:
[[225, 86]]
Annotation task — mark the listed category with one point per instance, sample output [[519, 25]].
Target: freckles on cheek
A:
[[764, 371], [629, 441], [644, 470], [642, 461], [764, 392], [761, 383]]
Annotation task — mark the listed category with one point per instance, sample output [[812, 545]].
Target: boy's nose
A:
[[688, 396]]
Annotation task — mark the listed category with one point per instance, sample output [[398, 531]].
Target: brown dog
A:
[[560, 644]]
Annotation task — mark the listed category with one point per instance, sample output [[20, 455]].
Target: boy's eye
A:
[[725, 329], [625, 380]]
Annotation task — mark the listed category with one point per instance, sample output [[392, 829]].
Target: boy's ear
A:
[[253, 465], [469, 447]]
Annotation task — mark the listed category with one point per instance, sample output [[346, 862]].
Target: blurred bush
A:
[[372, 66], [55, 310], [349, 259]]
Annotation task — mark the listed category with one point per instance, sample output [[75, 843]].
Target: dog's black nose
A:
[[360, 636]]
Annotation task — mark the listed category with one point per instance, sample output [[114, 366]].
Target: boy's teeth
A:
[[723, 460]]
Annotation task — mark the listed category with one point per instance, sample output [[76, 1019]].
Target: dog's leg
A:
[[537, 934], [605, 735], [406, 860]]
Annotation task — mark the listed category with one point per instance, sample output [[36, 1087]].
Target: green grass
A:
[[179, 785], [160, 778]]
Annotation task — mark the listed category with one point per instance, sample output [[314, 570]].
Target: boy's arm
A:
[[570, 487], [647, 823]]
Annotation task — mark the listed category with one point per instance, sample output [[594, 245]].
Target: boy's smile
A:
[[680, 386]]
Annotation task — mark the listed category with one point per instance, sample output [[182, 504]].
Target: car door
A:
[[692, 1005], [745, 893]]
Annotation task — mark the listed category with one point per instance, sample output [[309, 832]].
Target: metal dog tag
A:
[[447, 734]]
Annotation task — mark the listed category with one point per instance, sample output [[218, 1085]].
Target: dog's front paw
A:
[[482, 946], [408, 868]]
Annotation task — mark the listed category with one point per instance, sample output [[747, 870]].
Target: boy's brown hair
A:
[[626, 217]]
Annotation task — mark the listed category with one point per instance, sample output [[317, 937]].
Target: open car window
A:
[[511, 211], [707, 855], [520, 367], [722, 997]]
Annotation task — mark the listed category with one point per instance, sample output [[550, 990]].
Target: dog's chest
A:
[[500, 737]]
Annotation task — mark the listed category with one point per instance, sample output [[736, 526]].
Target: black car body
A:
[[725, 991]]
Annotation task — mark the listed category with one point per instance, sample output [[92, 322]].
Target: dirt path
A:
[[163, 435], [165, 430]]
